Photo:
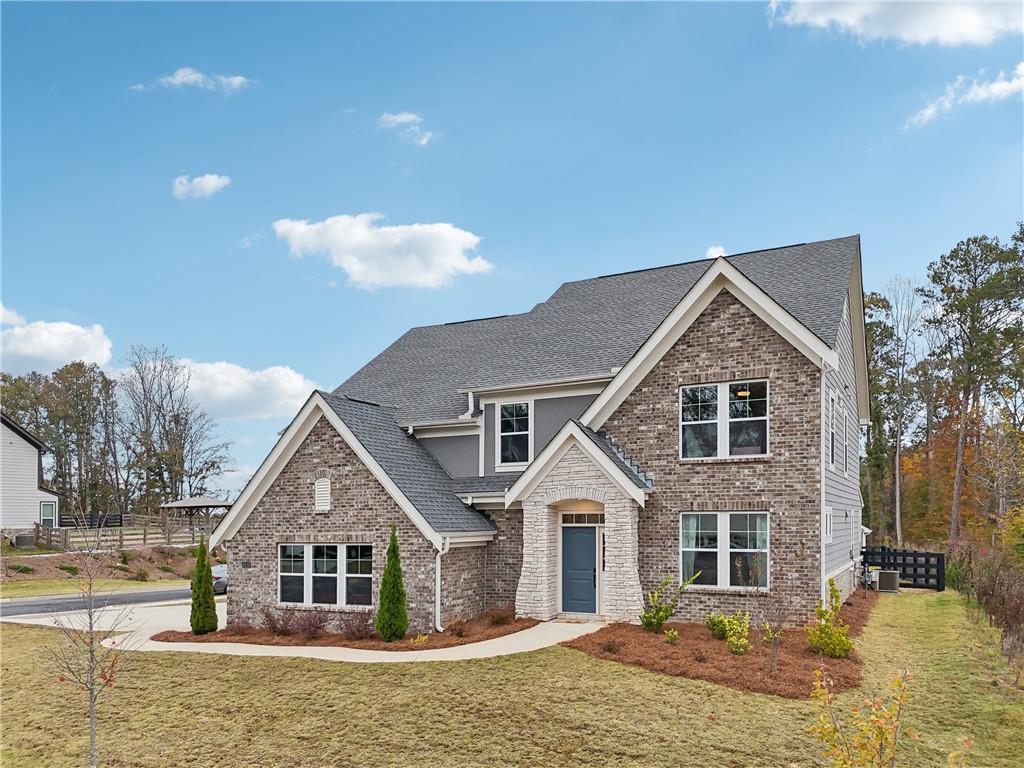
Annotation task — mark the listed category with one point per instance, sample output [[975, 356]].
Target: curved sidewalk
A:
[[147, 620]]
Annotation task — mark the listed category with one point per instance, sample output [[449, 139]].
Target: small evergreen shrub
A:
[[203, 617], [737, 633], [22, 568], [125, 556], [829, 634], [392, 619], [671, 636], [74, 570], [119, 567], [166, 569], [662, 602], [718, 624]]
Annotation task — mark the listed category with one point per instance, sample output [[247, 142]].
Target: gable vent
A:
[[322, 494]]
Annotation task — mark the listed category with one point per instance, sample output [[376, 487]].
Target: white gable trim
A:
[[289, 442], [721, 275], [568, 436], [855, 304]]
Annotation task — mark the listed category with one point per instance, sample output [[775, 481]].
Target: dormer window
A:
[[513, 433]]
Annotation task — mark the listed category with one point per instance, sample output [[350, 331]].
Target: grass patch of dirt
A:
[[700, 656], [555, 707], [483, 627]]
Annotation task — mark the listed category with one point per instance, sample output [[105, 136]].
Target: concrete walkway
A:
[[147, 620]]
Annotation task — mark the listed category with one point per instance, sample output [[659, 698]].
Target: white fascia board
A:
[[286, 447], [540, 384], [721, 275], [568, 436]]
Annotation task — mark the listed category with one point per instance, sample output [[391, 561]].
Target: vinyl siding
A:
[[460, 456], [842, 485], [549, 415], [19, 482]]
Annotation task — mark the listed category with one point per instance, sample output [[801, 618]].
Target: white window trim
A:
[[827, 525], [723, 422], [724, 550], [846, 441], [319, 484], [511, 466], [831, 446], [52, 515], [307, 577]]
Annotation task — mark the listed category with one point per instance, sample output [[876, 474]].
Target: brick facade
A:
[[361, 511], [728, 342], [504, 558]]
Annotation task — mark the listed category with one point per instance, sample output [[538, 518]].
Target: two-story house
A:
[[24, 501], [701, 417]]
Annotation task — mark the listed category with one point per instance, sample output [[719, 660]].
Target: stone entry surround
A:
[[576, 477]]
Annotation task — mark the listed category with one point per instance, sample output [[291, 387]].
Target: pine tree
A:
[[204, 611], [392, 620]]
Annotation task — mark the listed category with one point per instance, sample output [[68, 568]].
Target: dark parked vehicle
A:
[[220, 579]]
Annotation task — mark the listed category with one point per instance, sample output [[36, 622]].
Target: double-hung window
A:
[[513, 433], [729, 549], [312, 574], [48, 514], [723, 420]]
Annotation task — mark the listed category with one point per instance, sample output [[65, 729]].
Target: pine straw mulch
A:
[[486, 626], [699, 656]]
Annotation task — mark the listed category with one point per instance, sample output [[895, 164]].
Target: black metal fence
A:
[[925, 570]]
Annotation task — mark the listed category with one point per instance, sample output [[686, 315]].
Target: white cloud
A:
[[417, 255], [45, 346], [9, 317], [965, 90], [250, 240], [230, 391], [186, 77], [185, 188], [942, 23], [409, 126], [714, 251]]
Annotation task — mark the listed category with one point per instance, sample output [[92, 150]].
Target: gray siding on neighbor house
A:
[[842, 480], [460, 456], [549, 415]]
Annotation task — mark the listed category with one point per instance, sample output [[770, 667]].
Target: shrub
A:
[[141, 575], [74, 570], [671, 636], [119, 567], [22, 568], [357, 625], [718, 624], [611, 646], [280, 621], [829, 634], [662, 602], [421, 640], [392, 619], [737, 633], [125, 556], [310, 624], [166, 569], [203, 617]]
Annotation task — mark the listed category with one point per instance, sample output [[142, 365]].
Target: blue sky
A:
[[533, 143]]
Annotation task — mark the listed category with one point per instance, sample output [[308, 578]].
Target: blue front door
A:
[[579, 570]]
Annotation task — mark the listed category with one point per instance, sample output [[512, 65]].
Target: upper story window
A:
[[513, 433], [832, 430], [739, 429], [846, 441]]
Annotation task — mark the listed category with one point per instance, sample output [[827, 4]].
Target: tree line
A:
[[945, 446], [123, 443]]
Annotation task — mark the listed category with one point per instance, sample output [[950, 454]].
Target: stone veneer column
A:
[[576, 477]]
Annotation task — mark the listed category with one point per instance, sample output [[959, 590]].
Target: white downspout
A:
[[469, 413], [445, 546]]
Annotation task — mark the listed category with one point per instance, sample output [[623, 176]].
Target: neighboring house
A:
[[23, 499], [697, 417]]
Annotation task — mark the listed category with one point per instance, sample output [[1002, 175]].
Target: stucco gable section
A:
[[720, 276]]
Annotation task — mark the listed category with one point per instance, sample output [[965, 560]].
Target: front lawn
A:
[[70, 586], [556, 707]]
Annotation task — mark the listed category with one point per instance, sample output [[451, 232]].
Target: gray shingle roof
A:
[[409, 465], [485, 484], [588, 327], [611, 450]]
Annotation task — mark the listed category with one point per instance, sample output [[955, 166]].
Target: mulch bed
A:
[[699, 656], [484, 627]]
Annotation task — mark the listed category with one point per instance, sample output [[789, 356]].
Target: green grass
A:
[[554, 707], [69, 586], [8, 550]]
